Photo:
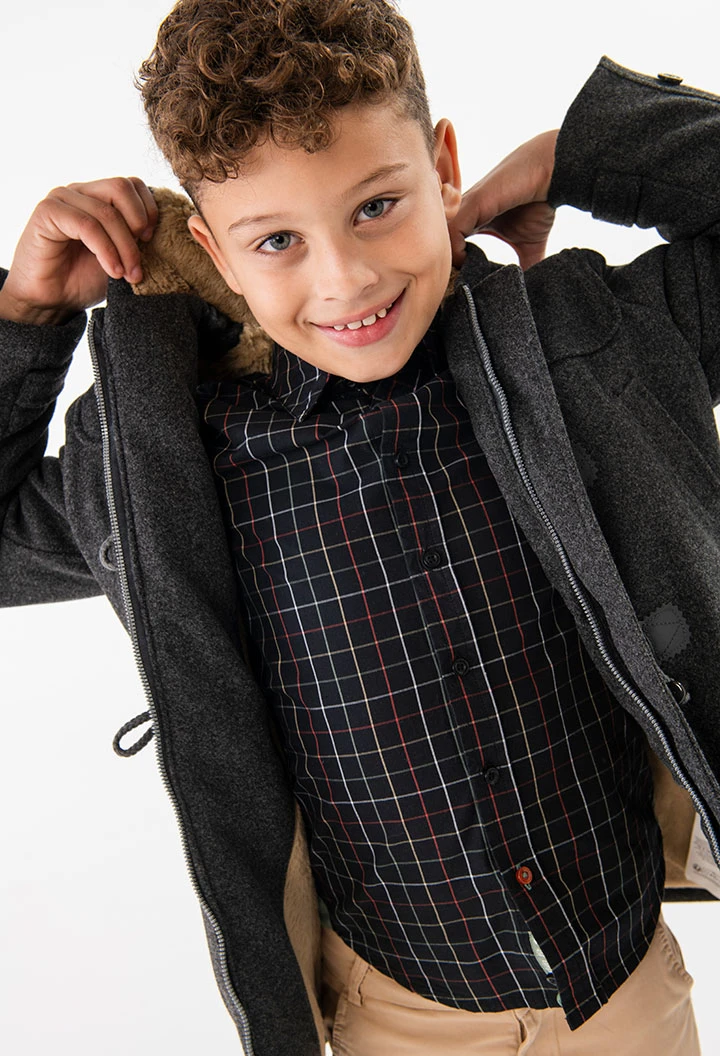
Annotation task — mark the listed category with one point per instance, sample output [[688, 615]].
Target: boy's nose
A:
[[343, 273]]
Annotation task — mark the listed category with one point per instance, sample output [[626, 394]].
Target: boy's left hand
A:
[[511, 203]]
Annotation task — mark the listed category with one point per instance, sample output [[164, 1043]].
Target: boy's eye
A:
[[277, 242], [376, 208]]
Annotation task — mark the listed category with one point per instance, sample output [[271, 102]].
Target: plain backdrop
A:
[[102, 944]]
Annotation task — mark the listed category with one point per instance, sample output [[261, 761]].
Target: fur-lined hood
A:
[[173, 262]]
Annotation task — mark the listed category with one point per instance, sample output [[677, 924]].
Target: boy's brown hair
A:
[[226, 75]]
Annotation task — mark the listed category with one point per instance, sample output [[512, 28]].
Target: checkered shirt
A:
[[479, 807]]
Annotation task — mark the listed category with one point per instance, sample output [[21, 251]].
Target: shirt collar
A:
[[298, 385]]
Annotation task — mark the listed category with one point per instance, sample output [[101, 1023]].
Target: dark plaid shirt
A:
[[478, 805]]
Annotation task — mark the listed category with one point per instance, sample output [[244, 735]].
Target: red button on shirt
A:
[[524, 876]]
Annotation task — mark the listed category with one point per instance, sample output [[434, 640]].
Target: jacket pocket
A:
[[686, 464]]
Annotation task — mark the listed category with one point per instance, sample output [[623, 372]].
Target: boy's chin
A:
[[363, 367]]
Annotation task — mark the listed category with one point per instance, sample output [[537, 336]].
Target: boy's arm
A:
[[39, 558], [75, 238], [639, 150], [645, 151], [632, 150]]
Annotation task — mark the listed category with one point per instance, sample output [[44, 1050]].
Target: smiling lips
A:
[[370, 321], [365, 331]]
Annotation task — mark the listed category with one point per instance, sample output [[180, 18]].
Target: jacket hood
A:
[[173, 262]]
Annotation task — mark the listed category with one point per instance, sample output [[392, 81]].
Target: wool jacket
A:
[[590, 389]]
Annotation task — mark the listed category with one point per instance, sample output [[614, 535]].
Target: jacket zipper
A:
[[501, 401], [239, 1014]]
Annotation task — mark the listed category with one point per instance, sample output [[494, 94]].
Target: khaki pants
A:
[[368, 1014]]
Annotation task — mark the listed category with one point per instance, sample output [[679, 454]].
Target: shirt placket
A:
[[471, 707]]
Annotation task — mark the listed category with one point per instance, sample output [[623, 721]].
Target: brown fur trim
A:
[[173, 262]]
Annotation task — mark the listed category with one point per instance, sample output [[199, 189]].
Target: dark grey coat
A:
[[591, 391]]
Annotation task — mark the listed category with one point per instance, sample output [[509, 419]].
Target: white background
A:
[[102, 944]]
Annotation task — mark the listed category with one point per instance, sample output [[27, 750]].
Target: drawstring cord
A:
[[140, 742]]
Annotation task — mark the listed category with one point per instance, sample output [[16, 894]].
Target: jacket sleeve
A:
[[645, 151], [39, 558]]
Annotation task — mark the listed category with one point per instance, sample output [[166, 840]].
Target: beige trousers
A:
[[368, 1014]]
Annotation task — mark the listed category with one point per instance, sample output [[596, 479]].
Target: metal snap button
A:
[[107, 554], [678, 691]]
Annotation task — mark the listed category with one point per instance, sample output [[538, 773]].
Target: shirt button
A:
[[461, 666], [401, 459], [491, 775], [432, 557], [524, 876], [669, 78]]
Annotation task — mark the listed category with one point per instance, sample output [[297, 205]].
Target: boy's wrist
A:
[[16, 310]]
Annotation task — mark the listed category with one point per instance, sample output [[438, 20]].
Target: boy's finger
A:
[[479, 207], [100, 226], [457, 245], [150, 204], [126, 195], [470, 217], [530, 253], [63, 223]]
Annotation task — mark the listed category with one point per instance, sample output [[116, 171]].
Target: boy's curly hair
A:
[[225, 75]]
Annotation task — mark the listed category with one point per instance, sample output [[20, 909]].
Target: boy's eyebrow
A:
[[383, 173]]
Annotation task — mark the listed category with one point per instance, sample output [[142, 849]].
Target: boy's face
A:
[[317, 243]]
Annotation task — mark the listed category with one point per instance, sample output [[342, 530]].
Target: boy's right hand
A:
[[511, 203], [77, 237]]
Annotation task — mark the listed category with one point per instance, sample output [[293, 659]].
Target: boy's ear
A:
[[447, 167], [204, 237]]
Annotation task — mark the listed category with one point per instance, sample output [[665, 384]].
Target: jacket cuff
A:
[[34, 361], [635, 149]]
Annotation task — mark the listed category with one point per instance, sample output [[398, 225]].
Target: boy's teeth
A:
[[364, 322]]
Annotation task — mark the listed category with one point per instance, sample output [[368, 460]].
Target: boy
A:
[[409, 556]]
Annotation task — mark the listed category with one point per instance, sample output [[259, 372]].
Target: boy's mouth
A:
[[364, 331]]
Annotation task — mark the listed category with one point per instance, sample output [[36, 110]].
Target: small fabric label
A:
[[539, 955], [700, 866]]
